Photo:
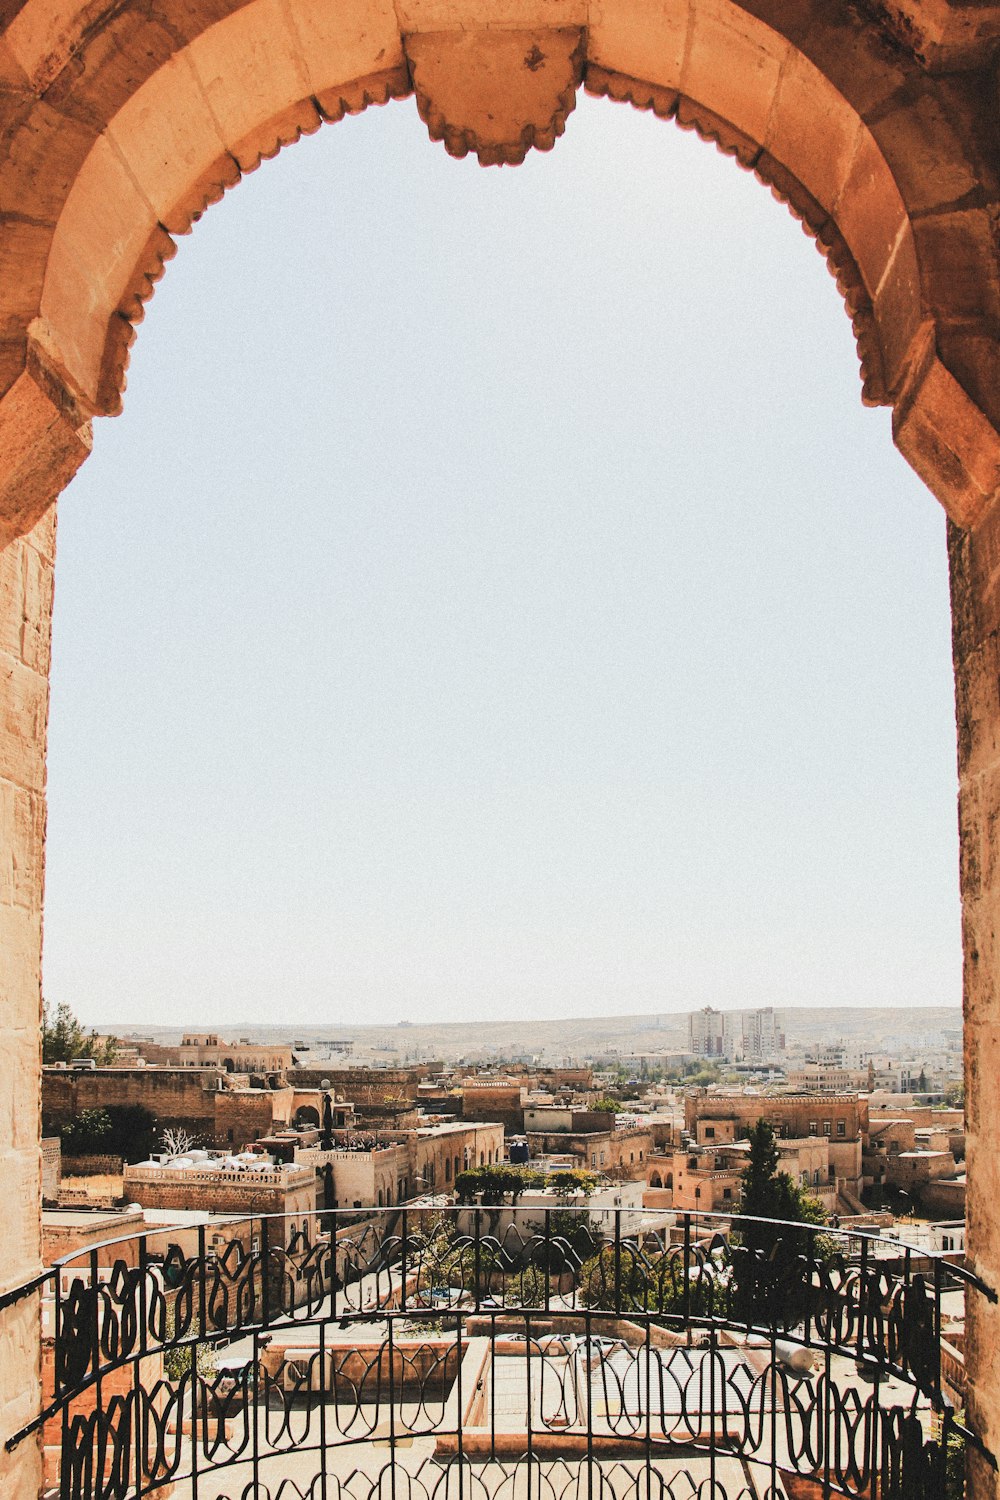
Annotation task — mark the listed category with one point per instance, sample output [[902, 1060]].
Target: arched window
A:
[[654, 1180], [668, 1181], [482, 1158], [447, 1169]]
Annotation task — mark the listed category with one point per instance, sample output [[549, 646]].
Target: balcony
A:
[[495, 1353]]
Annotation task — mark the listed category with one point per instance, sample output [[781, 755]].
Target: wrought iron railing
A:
[[494, 1353]]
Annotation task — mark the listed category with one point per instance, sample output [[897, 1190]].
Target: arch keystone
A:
[[497, 92]]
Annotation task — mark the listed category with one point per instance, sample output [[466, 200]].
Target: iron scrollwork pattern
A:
[[494, 1353]]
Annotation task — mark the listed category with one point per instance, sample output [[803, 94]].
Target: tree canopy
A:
[[125, 1130], [65, 1040], [771, 1261]]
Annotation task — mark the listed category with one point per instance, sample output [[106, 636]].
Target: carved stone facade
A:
[[120, 123]]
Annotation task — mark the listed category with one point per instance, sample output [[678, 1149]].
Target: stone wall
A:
[[179, 1097], [51, 1168], [92, 1166], [244, 1115], [795, 1115], [975, 604], [186, 1098], [26, 571]]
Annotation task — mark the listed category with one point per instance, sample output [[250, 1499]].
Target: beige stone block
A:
[[855, 59], [251, 72], [42, 536], [812, 130], [19, 1099], [122, 52], [10, 598], [733, 66], [503, 15], [947, 439], [36, 593], [24, 249], [21, 1471], [982, 1360], [103, 233], [982, 1077], [22, 845], [41, 447], [869, 212], [645, 40], [339, 44], [20, 1243], [171, 142], [20, 1361], [23, 721], [42, 159], [899, 311], [926, 157], [958, 263], [42, 37]]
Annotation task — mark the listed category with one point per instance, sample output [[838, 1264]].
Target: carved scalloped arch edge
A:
[[670, 104], [459, 142], [304, 119]]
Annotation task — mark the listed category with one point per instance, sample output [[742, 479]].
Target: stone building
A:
[[121, 123], [708, 1177], [216, 1107], [230, 1186], [841, 1119], [605, 1150], [205, 1050], [494, 1099]]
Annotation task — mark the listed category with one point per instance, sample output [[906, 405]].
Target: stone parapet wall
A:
[[92, 1166]]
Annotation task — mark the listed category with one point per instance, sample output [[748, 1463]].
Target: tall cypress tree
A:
[[772, 1261]]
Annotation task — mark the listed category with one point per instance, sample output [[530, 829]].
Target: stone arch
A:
[[128, 127], [655, 1180], [307, 1115], [120, 123]]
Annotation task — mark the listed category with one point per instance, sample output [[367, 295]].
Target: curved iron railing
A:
[[489, 1353]]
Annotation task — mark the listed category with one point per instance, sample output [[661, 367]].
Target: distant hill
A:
[[583, 1035]]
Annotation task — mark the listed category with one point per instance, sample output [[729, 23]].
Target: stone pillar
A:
[[975, 590], [26, 578]]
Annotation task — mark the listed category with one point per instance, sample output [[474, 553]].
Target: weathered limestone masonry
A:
[[975, 605], [25, 630], [121, 121]]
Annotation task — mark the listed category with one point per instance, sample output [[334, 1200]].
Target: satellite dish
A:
[[324, 1083]]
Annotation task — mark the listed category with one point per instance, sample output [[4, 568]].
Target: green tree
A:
[[125, 1130], [495, 1184], [771, 1261], [607, 1105], [87, 1133], [64, 1039], [624, 1280]]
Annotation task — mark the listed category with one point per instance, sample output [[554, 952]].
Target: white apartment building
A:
[[735, 1035]]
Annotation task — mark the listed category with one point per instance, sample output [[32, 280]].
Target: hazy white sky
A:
[[495, 600]]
